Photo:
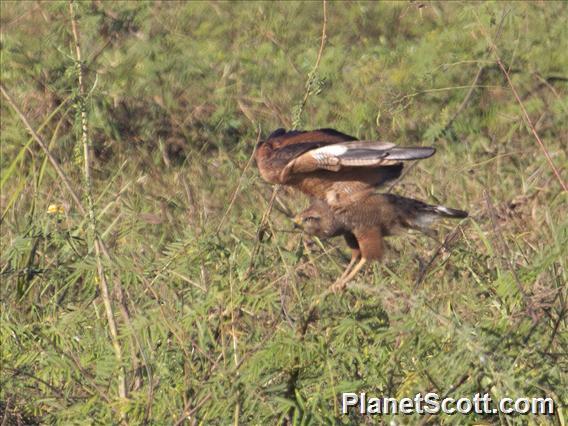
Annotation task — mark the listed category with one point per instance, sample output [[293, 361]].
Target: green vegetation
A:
[[209, 293]]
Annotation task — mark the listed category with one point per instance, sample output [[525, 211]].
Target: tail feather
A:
[[449, 212], [426, 215], [418, 214]]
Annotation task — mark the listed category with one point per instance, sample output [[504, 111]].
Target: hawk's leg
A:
[[341, 283], [355, 255], [370, 242]]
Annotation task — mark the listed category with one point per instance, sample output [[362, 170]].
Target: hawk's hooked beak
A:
[[297, 222]]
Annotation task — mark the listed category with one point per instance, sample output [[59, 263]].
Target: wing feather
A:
[[352, 154]]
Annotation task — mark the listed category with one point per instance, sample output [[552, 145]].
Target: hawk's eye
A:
[[312, 219]]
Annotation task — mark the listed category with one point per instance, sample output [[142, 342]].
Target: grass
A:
[[208, 285]]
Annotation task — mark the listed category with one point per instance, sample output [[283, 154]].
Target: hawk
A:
[[365, 219], [340, 173]]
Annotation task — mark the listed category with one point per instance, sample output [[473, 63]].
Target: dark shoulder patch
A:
[[283, 132], [277, 133]]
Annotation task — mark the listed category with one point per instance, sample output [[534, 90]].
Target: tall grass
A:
[[218, 303]]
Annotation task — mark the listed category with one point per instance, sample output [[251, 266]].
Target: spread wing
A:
[[318, 161], [336, 157]]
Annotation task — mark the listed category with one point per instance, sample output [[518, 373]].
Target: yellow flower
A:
[[55, 209]]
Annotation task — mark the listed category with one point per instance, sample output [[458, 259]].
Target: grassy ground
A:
[[208, 293]]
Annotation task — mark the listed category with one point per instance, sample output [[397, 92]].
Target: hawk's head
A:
[[318, 220]]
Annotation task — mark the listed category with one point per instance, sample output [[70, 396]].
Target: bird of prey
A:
[[339, 173], [364, 219]]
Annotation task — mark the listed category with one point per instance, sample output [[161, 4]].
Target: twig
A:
[[545, 82], [323, 36], [556, 327], [312, 74], [528, 121], [444, 246], [531, 126], [188, 415], [506, 262], [7, 409], [465, 100], [260, 229], [237, 189], [235, 348], [122, 391], [451, 389], [18, 371]]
